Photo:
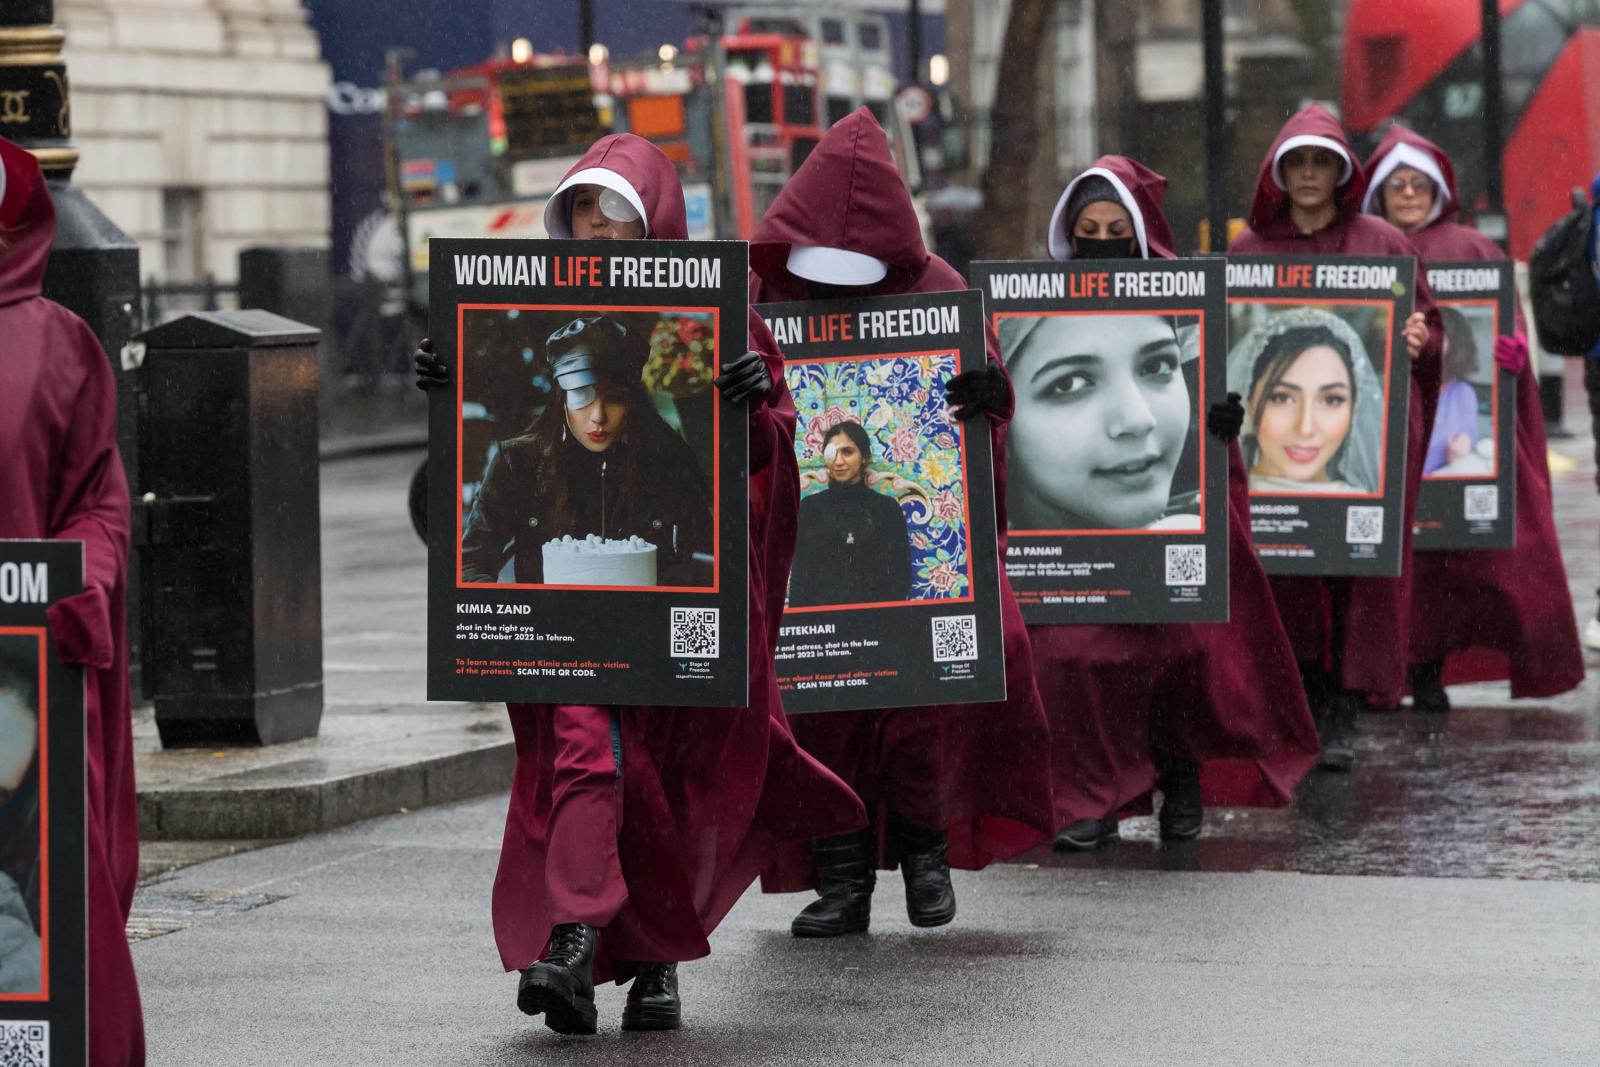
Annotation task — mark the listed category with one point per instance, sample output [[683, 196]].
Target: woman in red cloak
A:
[[1196, 711], [950, 785], [633, 830], [1521, 625], [1349, 634], [63, 480]]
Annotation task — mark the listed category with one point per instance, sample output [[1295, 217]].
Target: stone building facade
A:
[[202, 126]]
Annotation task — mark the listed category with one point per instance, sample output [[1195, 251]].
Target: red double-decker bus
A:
[[1420, 61]]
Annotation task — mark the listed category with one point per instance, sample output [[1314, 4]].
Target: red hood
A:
[[1271, 204], [1142, 192], [847, 194], [26, 200], [645, 168], [1402, 143]]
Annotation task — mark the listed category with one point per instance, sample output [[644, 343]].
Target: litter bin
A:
[[227, 519]]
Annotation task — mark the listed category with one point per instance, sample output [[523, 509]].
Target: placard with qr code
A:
[[1469, 471], [589, 485], [1318, 357], [43, 880], [894, 593], [1118, 497]]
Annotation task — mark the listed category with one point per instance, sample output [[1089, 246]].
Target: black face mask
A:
[[1098, 248]]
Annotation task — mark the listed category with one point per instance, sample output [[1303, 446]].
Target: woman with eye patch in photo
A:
[[1203, 714], [1350, 634]]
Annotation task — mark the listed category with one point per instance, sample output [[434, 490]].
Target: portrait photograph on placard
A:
[[1107, 430], [22, 856], [1318, 358], [883, 494], [1116, 495], [1313, 380], [588, 447], [1468, 497], [588, 493], [894, 592]]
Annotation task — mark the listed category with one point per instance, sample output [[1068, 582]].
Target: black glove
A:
[[974, 392], [1226, 419], [745, 380], [431, 369]]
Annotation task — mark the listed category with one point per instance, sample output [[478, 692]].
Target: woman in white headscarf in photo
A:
[[1313, 405]]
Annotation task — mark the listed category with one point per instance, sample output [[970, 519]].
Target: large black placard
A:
[[1469, 471], [894, 597], [1318, 354], [43, 887], [1118, 496], [588, 498]]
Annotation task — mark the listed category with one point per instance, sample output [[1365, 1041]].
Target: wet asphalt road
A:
[[1454, 919]]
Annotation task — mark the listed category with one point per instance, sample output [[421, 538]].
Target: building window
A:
[[182, 245]]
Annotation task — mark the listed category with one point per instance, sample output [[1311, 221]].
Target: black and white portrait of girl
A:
[[1106, 434]]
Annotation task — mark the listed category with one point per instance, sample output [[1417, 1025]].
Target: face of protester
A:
[[590, 223], [1100, 423], [1103, 221], [844, 460], [597, 424], [1310, 176], [1305, 418], [1407, 197]]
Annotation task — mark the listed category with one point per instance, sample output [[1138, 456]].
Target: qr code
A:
[[1186, 564], [955, 638], [24, 1044], [1482, 503], [1363, 526], [696, 632]]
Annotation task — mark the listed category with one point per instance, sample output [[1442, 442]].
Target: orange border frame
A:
[[1388, 370], [966, 491], [716, 447], [1494, 398], [38, 633], [1200, 410]]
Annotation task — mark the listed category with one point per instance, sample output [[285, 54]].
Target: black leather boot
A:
[[653, 1002], [1427, 687], [1181, 812], [562, 984], [925, 866], [1337, 727], [846, 875], [1086, 835]]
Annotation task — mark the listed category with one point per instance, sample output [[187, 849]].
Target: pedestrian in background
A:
[[1349, 634], [62, 480], [632, 830], [1204, 714], [1518, 622], [946, 786]]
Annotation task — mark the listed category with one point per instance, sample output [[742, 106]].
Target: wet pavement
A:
[[1453, 918]]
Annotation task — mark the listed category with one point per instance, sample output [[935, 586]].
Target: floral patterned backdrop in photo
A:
[[916, 452]]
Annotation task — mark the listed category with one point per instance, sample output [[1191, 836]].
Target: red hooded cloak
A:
[[1521, 626], [979, 771], [655, 849], [1225, 694], [1358, 624], [63, 480]]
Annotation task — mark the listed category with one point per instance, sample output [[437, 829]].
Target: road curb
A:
[[279, 811]]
